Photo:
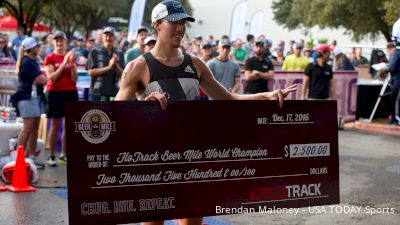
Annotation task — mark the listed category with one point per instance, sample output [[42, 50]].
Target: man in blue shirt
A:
[[394, 70], [16, 42]]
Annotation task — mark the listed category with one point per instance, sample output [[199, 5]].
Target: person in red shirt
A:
[[61, 74]]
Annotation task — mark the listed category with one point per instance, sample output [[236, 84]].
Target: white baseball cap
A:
[[150, 39], [170, 10], [29, 43], [337, 52]]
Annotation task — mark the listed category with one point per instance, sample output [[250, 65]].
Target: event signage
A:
[[132, 161]]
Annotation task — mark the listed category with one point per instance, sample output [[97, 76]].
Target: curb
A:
[[374, 128]]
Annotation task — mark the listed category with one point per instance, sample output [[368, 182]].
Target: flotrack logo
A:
[[95, 126]]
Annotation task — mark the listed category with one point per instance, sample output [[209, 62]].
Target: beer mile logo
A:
[[95, 126]]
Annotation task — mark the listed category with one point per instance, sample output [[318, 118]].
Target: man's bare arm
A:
[[129, 81], [306, 81], [269, 75]]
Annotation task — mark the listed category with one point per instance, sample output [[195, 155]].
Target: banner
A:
[[257, 23], [238, 22], [131, 161], [136, 19]]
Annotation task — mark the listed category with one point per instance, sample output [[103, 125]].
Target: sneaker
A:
[[51, 161], [38, 163], [62, 159]]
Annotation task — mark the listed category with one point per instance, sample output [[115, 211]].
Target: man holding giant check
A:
[[144, 161]]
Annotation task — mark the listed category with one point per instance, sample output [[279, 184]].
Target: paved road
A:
[[369, 180]]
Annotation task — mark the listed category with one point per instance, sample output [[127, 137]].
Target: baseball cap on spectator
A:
[[110, 30], [29, 43], [224, 42], [81, 39], [170, 10], [150, 40], [142, 29], [205, 44], [324, 48], [297, 45], [90, 39], [59, 34], [337, 52]]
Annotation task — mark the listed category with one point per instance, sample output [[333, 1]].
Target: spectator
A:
[[225, 71], [42, 53], [29, 97], [74, 42], [137, 51], [105, 65], [149, 43], [123, 41], [239, 54], [291, 50], [49, 44], [18, 40], [342, 62], [278, 57], [90, 43], [295, 61], [308, 54], [268, 46], [206, 51], [195, 49], [258, 70], [358, 59], [9, 45], [249, 46], [98, 40], [6, 54], [394, 70], [318, 77], [61, 75], [81, 52]]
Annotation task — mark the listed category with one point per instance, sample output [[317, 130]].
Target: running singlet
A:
[[179, 83]]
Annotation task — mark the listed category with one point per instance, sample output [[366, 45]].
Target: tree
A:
[[26, 12], [392, 8], [367, 18], [81, 15]]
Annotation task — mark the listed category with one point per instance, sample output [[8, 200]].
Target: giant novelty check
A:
[[133, 161]]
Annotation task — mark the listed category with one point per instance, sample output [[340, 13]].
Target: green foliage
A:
[[74, 15], [367, 18], [392, 8], [26, 12]]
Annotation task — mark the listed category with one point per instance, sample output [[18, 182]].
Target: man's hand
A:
[[280, 94], [113, 61], [157, 96]]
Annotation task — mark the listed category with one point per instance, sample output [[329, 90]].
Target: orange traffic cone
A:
[[20, 176]]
